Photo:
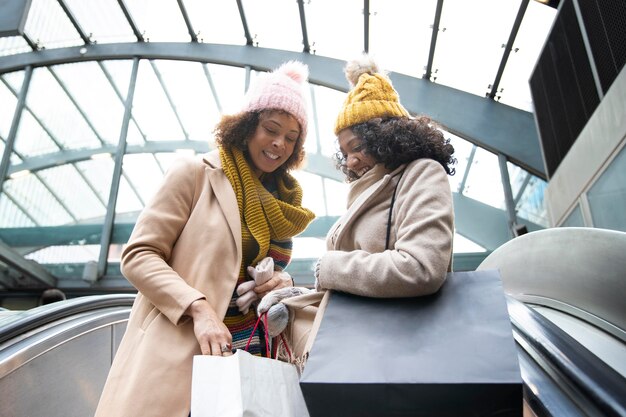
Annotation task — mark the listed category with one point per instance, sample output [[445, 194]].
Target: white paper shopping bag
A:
[[245, 385]]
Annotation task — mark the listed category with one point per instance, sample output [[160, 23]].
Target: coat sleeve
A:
[[418, 262], [145, 258]]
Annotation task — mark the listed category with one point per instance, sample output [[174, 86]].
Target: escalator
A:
[[54, 360]]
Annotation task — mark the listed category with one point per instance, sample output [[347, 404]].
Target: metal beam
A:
[[305, 35], [17, 116], [169, 97], [484, 224], [25, 267], [107, 227], [592, 61], [183, 10], [508, 47], [508, 194], [366, 26], [484, 122], [301, 269], [244, 23], [433, 41], [72, 156], [468, 167], [131, 21], [74, 22], [209, 79]]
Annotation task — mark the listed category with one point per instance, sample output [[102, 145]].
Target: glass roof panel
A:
[[329, 103], [134, 136], [13, 81], [531, 204], [469, 50], [313, 139], [190, 91], [462, 244], [144, 173], [484, 182], [127, 199], [159, 20], [151, 108], [98, 171], [229, 84], [31, 194], [7, 110], [279, 29], [325, 17], [12, 215], [308, 248], [31, 139], [48, 26], [11, 45], [402, 20], [515, 90], [65, 254], [73, 191], [102, 21], [216, 24], [89, 87], [312, 194], [462, 151], [59, 115], [338, 193], [119, 73], [166, 159]]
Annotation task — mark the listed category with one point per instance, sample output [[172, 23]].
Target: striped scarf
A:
[[270, 217]]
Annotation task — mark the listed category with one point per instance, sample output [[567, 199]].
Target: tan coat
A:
[[421, 235], [186, 245]]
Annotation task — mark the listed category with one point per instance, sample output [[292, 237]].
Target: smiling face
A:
[[353, 152], [273, 141]]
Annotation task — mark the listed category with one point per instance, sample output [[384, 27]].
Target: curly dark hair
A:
[[236, 129], [399, 140]]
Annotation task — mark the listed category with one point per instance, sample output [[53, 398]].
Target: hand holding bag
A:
[[245, 385]]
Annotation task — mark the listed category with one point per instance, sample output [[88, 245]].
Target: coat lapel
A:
[[360, 204], [225, 196]]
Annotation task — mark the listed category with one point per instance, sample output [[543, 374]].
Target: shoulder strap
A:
[[393, 200]]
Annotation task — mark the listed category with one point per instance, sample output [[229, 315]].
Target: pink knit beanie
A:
[[281, 89]]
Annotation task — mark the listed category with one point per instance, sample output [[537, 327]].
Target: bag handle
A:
[[267, 336], [393, 200]]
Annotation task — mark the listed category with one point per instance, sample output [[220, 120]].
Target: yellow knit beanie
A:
[[372, 95]]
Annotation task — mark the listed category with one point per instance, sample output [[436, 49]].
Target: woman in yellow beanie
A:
[[395, 240]]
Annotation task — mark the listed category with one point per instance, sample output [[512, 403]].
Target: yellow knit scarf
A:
[[267, 217]]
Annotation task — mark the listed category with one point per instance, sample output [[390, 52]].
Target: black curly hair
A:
[[399, 140], [235, 130]]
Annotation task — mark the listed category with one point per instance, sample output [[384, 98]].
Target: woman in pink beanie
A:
[[215, 238]]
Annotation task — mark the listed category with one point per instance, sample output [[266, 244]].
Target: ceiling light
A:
[[20, 174], [104, 155]]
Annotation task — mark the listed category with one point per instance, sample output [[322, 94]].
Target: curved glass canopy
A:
[[86, 140]]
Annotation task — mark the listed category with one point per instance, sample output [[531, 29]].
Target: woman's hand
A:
[[212, 334], [280, 279]]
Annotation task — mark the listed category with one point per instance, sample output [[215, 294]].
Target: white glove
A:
[[274, 297], [260, 274], [277, 319], [277, 312]]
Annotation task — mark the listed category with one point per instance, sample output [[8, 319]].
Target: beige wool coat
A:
[[421, 234], [186, 245]]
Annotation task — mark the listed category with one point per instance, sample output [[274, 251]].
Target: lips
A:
[[270, 155], [362, 171]]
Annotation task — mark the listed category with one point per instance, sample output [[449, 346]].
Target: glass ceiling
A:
[[71, 117]]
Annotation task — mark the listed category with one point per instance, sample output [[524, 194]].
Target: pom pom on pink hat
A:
[[281, 89]]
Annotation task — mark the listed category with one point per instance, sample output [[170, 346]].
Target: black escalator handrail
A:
[[49, 313], [600, 383]]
